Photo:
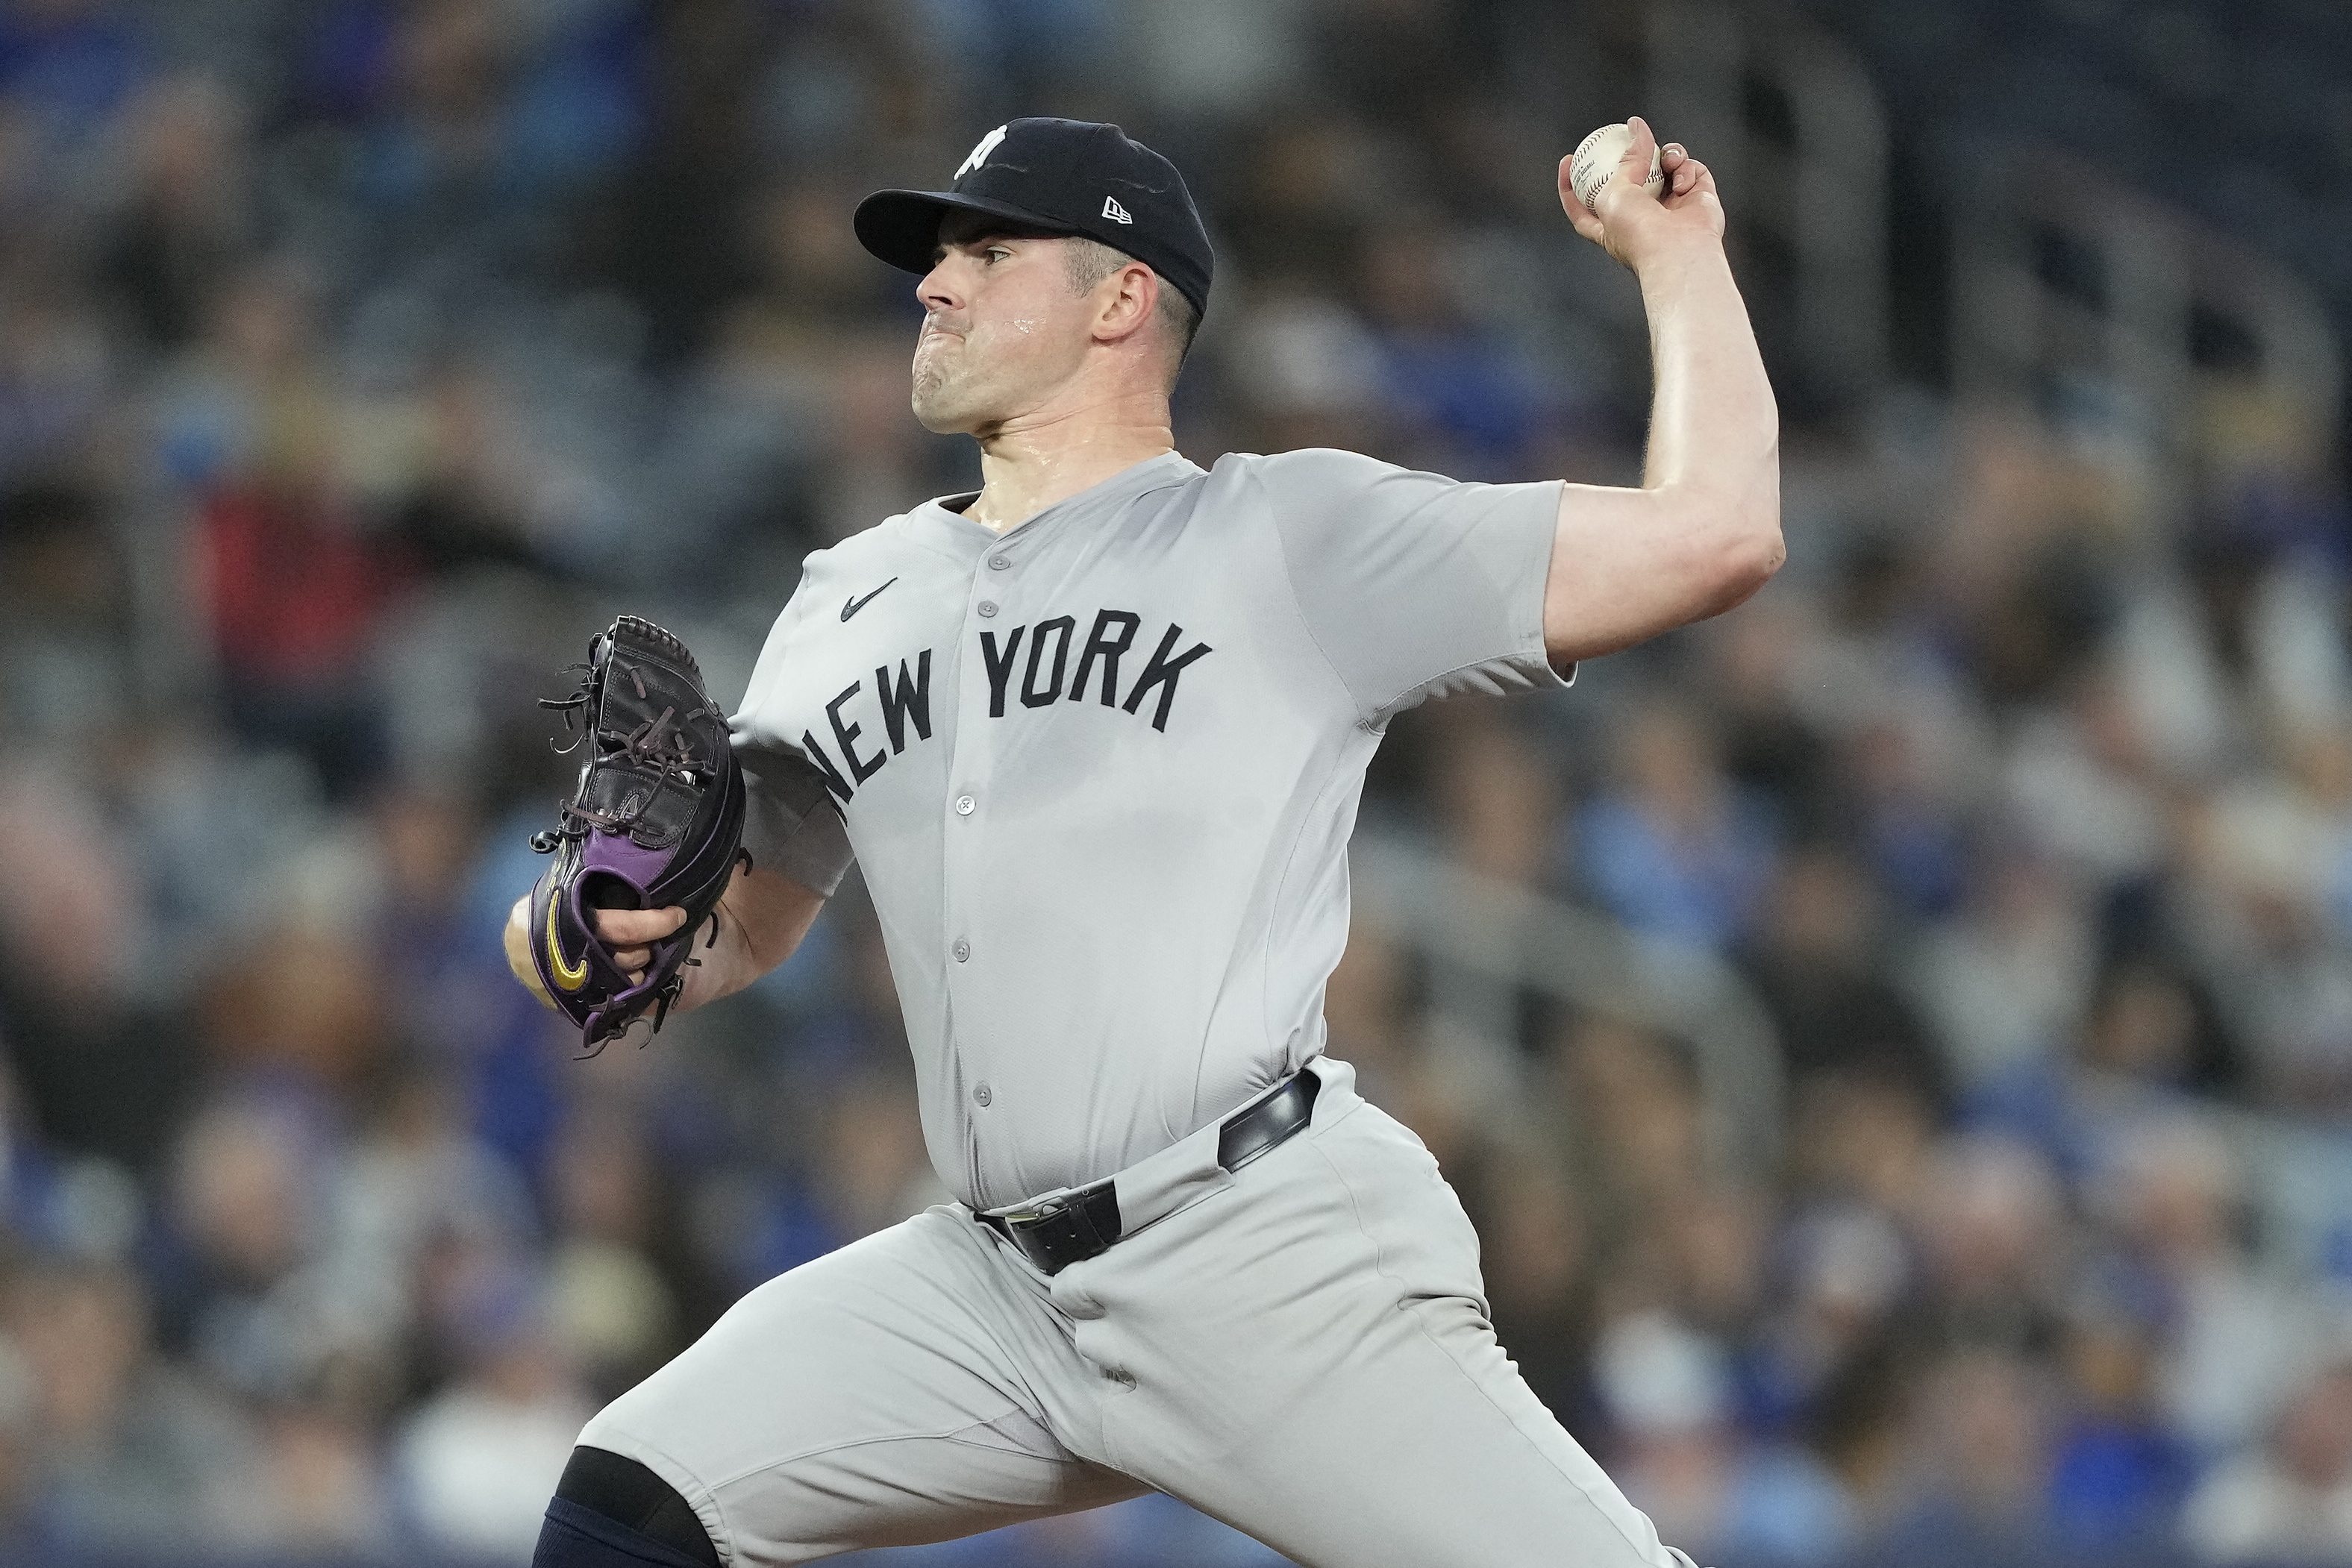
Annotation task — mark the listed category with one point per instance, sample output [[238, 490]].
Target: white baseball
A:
[[1597, 157]]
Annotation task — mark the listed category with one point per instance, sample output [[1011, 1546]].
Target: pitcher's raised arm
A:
[[1703, 533]]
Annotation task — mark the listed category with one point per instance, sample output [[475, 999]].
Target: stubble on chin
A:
[[932, 400], [933, 394]]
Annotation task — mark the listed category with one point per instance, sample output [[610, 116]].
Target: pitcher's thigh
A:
[[1315, 1366], [1427, 1451], [871, 1397]]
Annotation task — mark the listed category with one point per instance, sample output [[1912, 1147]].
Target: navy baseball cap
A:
[[1067, 177]]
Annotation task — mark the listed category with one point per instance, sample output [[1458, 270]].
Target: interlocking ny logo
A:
[[1114, 212], [979, 153]]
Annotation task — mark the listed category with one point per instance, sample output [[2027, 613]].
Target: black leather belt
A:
[[1080, 1225]]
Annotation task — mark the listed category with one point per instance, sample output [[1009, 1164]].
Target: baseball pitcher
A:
[[1095, 735]]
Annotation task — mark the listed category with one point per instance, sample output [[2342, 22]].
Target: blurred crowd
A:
[[360, 358]]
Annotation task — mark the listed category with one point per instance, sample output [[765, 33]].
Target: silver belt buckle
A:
[[1038, 1213]]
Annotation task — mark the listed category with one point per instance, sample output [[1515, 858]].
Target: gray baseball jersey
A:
[[1100, 771]]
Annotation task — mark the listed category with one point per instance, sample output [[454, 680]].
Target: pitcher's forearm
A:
[[722, 963], [762, 918], [1713, 425], [1703, 533]]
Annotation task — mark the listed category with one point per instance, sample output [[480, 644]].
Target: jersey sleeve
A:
[[789, 822], [1414, 585]]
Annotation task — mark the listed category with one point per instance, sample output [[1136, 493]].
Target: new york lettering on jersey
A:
[[1030, 667]]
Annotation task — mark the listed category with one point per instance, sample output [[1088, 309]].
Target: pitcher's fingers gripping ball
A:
[[1648, 191], [655, 821], [1598, 156]]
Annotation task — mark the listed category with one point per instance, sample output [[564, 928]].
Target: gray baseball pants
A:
[[1299, 1349]]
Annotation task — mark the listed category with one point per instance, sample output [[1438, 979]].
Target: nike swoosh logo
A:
[[856, 604], [567, 976]]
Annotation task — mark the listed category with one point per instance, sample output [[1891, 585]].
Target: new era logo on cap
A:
[[1114, 212]]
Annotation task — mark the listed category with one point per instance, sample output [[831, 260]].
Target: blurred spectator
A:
[[23, 1459], [1771, 746], [294, 593], [1469, 402], [1667, 1391], [2251, 901], [2149, 1035], [66, 590], [1499, 797], [1312, 369], [81, 1035], [610, 1307], [186, 217], [2289, 1502], [1637, 1100], [134, 1456], [413, 1187], [291, 585], [1982, 1424], [68, 61], [1865, 1138], [1908, 823], [1308, 183], [2233, 1339], [1989, 1233], [2084, 783], [1674, 848], [1367, 1017], [246, 1301], [2004, 980], [2119, 1473], [467, 500], [1814, 963], [297, 1000], [1538, 1258], [1839, 1272], [478, 1461]]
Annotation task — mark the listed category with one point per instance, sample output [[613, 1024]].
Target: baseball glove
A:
[[655, 821]]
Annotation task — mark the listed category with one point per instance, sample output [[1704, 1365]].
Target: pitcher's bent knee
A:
[[609, 1512]]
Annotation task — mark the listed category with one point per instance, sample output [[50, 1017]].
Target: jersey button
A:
[[998, 562], [981, 1094], [964, 805], [987, 610], [963, 950]]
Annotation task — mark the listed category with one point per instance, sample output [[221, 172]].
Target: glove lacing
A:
[[656, 742]]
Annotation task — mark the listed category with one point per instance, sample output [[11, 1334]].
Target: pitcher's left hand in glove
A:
[[656, 822]]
